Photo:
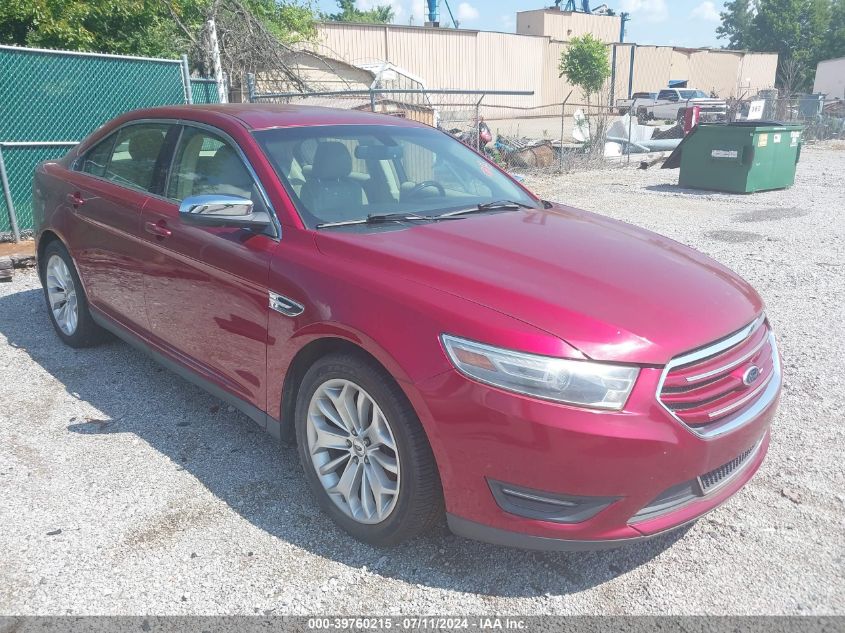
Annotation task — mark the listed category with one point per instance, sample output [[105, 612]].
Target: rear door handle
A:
[[75, 199], [159, 229]]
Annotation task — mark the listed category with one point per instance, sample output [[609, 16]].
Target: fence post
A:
[[250, 87], [7, 193], [477, 130], [372, 100], [186, 80], [562, 125]]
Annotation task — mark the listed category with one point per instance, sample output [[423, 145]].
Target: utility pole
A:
[[214, 52]]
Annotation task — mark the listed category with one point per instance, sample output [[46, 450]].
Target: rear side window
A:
[[129, 156], [135, 154]]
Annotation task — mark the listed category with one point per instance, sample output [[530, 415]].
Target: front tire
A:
[[364, 451], [67, 304]]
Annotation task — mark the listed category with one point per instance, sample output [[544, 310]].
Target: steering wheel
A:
[[425, 184]]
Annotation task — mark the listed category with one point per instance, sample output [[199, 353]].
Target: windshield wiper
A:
[[488, 206], [378, 218]]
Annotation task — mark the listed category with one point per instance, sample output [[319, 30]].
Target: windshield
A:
[[693, 94], [337, 173]]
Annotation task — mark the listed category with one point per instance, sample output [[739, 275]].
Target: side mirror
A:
[[221, 210]]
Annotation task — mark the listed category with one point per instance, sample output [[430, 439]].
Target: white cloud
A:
[[705, 11], [404, 11], [467, 12], [646, 10]]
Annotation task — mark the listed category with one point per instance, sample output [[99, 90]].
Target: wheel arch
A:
[[45, 238], [304, 358]]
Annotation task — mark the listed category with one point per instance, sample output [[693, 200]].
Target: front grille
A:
[[715, 383], [712, 480]]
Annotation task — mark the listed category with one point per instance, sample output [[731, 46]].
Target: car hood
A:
[[613, 291]]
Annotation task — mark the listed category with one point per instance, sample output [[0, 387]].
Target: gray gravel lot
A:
[[126, 490]]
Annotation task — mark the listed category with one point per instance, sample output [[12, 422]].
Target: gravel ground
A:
[[126, 490]]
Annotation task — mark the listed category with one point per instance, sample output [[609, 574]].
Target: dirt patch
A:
[[767, 215], [24, 248], [734, 236]]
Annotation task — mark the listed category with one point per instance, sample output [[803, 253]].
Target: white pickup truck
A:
[[637, 100], [672, 103]]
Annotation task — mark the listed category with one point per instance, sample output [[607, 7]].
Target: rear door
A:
[[206, 287], [107, 189]]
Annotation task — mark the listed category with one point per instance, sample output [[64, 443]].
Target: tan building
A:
[[483, 60], [564, 25], [830, 78]]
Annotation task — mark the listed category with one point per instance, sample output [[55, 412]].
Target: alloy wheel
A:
[[61, 293], [353, 451]]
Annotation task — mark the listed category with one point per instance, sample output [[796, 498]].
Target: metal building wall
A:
[[477, 60], [564, 25], [758, 71]]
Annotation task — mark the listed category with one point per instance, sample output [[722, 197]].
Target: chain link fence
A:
[[821, 120], [53, 99]]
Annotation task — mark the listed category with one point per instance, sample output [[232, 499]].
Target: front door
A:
[[206, 287]]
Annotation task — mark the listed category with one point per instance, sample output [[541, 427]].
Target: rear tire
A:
[[67, 304], [369, 464]]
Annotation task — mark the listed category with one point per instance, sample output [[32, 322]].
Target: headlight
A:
[[575, 382]]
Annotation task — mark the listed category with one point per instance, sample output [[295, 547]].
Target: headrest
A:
[[331, 160], [145, 145]]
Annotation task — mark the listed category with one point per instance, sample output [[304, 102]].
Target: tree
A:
[[112, 26], [834, 45], [802, 32], [158, 28], [381, 14], [736, 24], [585, 64]]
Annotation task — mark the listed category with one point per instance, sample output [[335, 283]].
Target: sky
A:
[[689, 23]]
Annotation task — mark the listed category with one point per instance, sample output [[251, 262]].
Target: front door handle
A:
[[75, 199], [159, 229]]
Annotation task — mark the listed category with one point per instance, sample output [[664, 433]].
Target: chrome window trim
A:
[[277, 227], [717, 429], [80, 157]]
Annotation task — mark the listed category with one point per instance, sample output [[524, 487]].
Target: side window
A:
[[97, 159], [669, 95], [133, 159], [206, 164]]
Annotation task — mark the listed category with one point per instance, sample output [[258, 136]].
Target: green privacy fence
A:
[[50, 100], [204, 91]]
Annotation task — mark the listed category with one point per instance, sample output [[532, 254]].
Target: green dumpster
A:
[[740, 157]]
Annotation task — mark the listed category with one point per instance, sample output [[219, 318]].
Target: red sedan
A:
[[429, 333]]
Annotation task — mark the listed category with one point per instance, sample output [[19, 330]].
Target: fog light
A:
[[546, 506]]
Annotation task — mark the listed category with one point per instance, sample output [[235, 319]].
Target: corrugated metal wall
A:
[[563, 25], [478, 60]]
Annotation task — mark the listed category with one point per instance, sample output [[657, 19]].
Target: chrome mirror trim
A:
[[217, 206]]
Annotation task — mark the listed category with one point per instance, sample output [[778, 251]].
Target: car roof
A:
[[261, 116]]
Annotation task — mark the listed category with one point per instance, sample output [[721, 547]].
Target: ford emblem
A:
[[751, 374]]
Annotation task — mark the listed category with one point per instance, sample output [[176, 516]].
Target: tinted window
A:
[[97, 159], [133, 159], [671, 95], [206, 164], [345, 172], [693, 94]]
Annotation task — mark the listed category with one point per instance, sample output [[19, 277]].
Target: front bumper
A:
[[481, 434]]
